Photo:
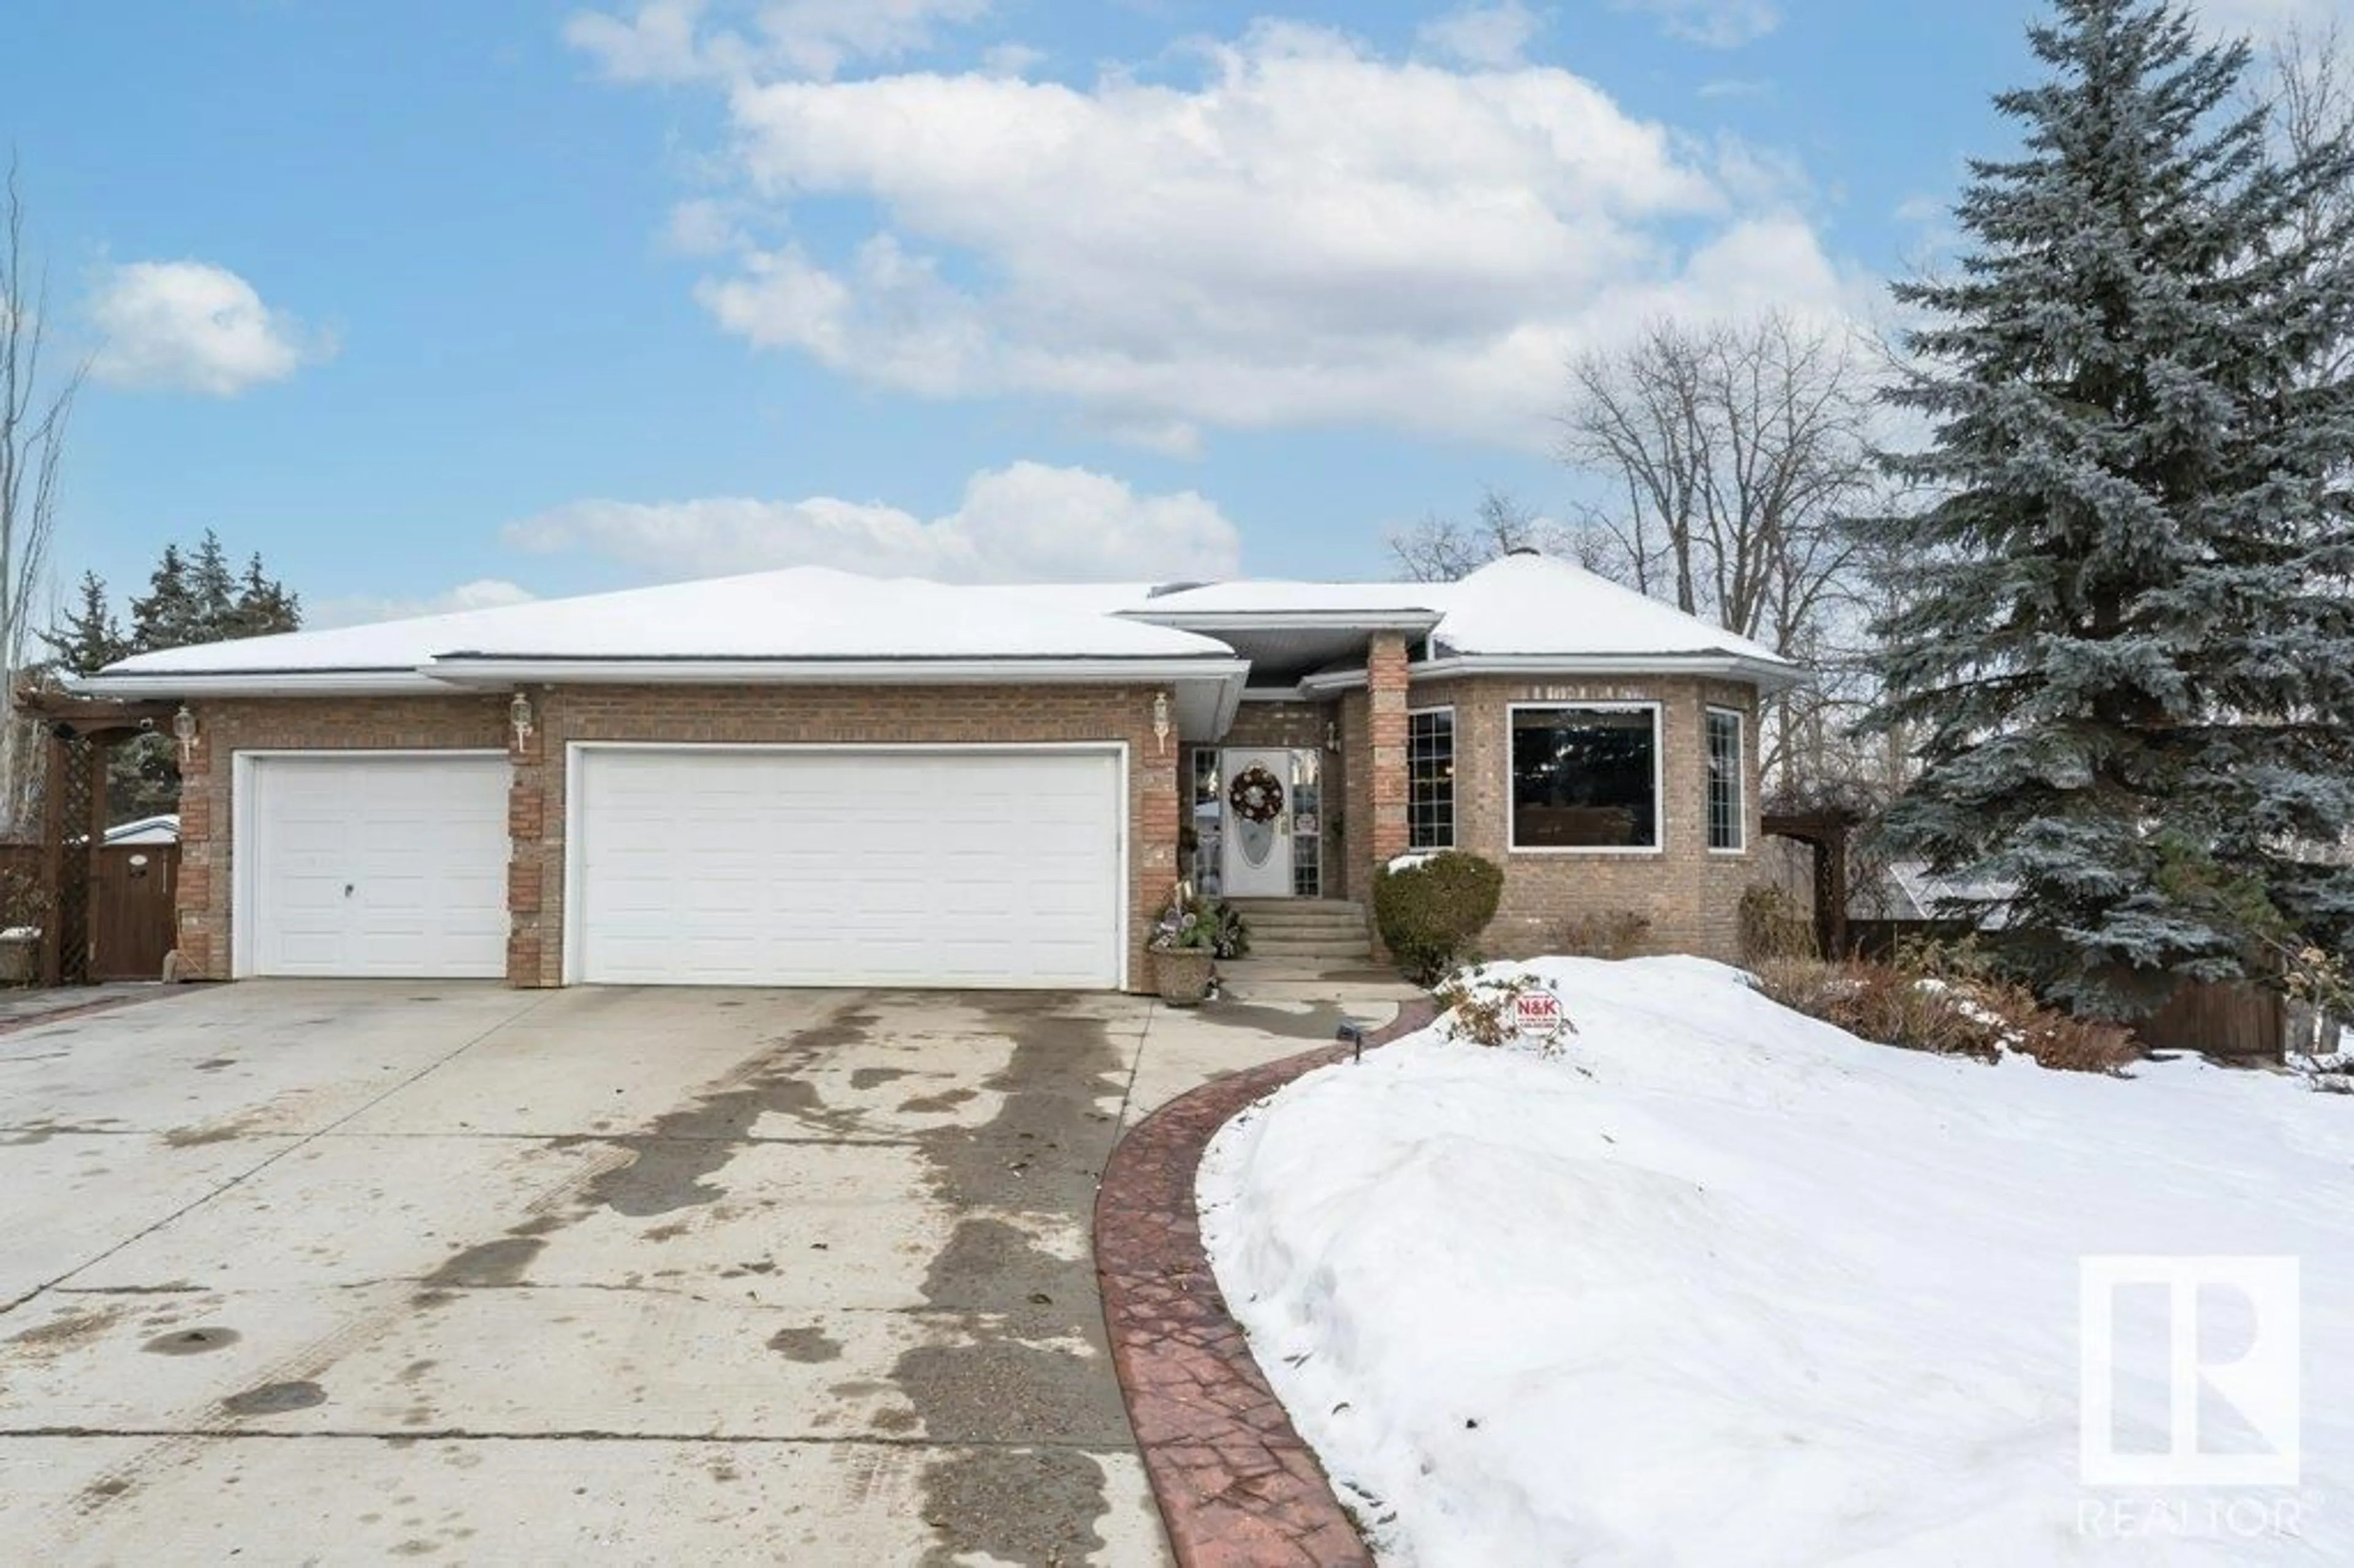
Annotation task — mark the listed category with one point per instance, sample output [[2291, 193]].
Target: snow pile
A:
[[1720, 1284]]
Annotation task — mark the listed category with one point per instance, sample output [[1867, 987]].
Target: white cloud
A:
[[1494, 36], [1024, 523], [363, 609], [666, 40], [2267, 19], [1310, 233], [1717, 24], [191, 326]]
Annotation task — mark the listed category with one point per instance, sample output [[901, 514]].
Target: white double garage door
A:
[[697, 865]]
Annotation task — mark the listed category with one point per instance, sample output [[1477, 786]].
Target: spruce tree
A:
[[2129, 640], [263, 605], [166, 615], [89, 637]]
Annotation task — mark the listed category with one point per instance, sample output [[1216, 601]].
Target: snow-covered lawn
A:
[[1720, 1284]]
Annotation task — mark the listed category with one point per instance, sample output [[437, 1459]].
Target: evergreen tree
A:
[[167, 616], [2130, 639], [212, 590], [89, 639], [192, 598], [263, 605]]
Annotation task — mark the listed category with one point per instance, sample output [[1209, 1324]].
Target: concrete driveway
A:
[[326, 1272]]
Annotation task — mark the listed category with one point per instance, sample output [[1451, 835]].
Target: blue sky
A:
[[459, 301]]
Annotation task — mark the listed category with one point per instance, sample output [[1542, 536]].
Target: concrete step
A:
[[1305, 929], [1306, 947], [1252, 907]]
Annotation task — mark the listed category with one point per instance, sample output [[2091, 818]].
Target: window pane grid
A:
[[1724, 777], [1430, 780]]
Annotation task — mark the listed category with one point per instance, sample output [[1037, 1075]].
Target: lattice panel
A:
[[82, 769]]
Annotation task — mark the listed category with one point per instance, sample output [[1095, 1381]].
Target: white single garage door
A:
[[715, 865], [357, 865]]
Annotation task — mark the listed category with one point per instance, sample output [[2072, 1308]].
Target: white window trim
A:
[[1659, 779], [1454, 807], [243, 960], [1740, 778], [576, 753]]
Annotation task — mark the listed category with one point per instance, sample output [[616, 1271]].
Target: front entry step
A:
[[1305, 927]]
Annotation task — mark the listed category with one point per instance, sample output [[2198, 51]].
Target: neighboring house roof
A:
[[1911, 891], [157, 830], [812, 623]]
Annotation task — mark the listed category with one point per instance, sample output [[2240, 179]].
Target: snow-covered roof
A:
[[803, 612], [813, 622], [1533, 606]]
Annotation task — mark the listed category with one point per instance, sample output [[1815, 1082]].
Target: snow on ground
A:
[[1724, 1286]]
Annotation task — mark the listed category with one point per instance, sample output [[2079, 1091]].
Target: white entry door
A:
[[954, 866], [358, 865], [1258, 824]]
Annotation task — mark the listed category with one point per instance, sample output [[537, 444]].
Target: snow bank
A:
[[1721, 1285]]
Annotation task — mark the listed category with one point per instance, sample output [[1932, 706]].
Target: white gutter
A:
[[258, 683], [1766, 674], [470, 670], [463, 672]]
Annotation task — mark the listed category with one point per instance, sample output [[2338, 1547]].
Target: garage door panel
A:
[[716, 867], [392, 866]]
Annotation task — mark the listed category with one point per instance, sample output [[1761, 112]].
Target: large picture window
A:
[[1727, 819], [1430, 778], [1585, 778]]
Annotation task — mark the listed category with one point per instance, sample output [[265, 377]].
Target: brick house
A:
[[807, 777]]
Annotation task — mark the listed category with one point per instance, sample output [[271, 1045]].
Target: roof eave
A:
[[1767, 674]]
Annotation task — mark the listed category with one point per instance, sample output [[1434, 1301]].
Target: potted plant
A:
[[1185, 947]]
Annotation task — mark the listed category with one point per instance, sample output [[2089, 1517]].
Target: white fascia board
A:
[[259, 683], [1211, 621], [1767, 676], [465, 670]]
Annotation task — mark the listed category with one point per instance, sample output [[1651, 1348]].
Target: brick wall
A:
[[851, 714], [207, 857], [1691, 893]]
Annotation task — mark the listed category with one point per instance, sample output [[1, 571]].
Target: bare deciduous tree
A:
[[34, 413], [1441, 549], [1730, 451]]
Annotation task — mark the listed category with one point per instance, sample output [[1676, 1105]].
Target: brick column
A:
[[527, 953], [192, 900], [1386, 686]]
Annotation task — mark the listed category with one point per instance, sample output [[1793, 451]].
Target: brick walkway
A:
[[1237, 1487]]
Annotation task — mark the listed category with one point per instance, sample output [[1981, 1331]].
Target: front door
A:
[[1258, 824]]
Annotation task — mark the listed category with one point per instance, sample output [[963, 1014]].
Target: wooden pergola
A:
[[1826, 831], [80, 735]]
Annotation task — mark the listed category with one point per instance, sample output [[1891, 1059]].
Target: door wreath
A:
[[1257, 795]]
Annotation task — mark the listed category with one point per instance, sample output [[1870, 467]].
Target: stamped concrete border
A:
[[1237, 1484]]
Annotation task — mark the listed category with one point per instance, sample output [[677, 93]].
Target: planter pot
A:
[[20, 957], [1181, 976]]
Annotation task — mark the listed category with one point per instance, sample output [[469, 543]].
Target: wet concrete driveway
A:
[[301, 1272]]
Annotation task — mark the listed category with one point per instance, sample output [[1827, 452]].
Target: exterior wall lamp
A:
[[183, 730], [1331, 735], [519, 716], [1161, 720]]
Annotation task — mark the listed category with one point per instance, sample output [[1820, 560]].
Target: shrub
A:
[[1485, 1011], [1952, 1015], [1428, 914], [1773, 926], [1605, 934]]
